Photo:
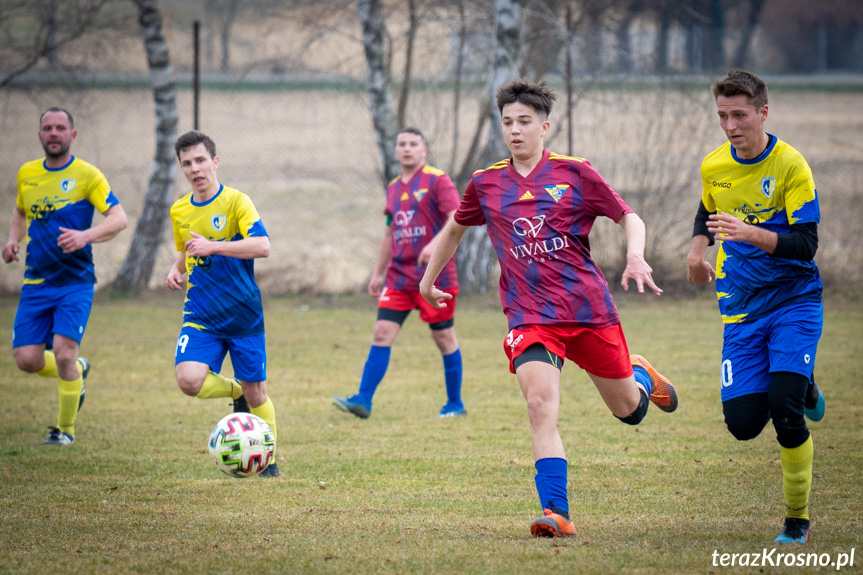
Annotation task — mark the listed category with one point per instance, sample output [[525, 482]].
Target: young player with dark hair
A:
[[219, 234], [759, 199], [539, 208]]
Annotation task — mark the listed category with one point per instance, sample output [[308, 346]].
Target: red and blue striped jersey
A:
[[418, 210], [539, 227]]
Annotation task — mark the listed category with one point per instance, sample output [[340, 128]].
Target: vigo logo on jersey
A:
[[405, 231], [536, 250]]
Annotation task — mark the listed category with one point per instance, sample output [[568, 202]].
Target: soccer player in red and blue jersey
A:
[[759, 196], [57, 198], [219, 234], [539, 208], [419, 203]]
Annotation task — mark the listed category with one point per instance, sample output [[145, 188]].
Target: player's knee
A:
[[189, 384], [27, 364], [743, 430], [746, 415], [787, 393], [636, 416]]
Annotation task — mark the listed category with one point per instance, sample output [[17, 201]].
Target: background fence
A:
[[284, 98]]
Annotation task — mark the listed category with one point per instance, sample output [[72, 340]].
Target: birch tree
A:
[[380, 103], [476, 259], [138, 266]]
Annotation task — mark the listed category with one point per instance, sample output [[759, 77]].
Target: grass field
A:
[[404, 492]]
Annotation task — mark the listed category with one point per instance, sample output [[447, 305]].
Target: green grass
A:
[[404, 492]]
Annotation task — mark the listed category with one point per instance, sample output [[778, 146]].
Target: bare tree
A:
[[413, 25], [138, 266], [476, 260], [741, 54], [380, 102], [48, 28]]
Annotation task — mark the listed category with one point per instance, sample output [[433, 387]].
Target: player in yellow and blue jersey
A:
[[759, 199], [57, 196], [219, 234]]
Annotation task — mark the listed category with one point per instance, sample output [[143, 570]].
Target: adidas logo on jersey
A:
[[526, 196]]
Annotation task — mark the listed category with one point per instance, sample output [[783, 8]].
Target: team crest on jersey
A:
[[219, 222], [67, 185], [557, 192], [420, 193], [768, 186], [526, 196], [404, 196]]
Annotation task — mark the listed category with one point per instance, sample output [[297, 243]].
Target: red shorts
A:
[[601, 352], [406, 300]]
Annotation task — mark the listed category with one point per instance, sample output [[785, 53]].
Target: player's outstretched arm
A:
[[448, 241], [636, 266]]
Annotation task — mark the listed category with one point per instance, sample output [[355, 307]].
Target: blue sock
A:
[[452, 376], [374, 371], [551, 483], [642, 377]]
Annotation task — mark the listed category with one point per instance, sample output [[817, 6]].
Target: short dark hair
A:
[[415, 132], [193, 138], [740, 82], [68, 115], [537, 95]]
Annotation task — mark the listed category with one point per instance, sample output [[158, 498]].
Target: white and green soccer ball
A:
[[242, 444]]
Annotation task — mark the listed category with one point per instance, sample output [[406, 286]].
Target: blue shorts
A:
[[784, 340], [248, 354], [45, 310]]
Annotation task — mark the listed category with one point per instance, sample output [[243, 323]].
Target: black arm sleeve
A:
[[800, 243], [700, 227]]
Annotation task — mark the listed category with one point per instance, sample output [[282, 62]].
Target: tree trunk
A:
[[476, 259], [459, 69], [409, 58], [380, 103], [742, 52], [138, 267]]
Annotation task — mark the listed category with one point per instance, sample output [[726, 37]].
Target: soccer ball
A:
[[242, 444]]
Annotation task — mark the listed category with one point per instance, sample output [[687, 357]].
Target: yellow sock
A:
[[797, 478], [50, 369], [268, 413], [69, 393], [217, 385]]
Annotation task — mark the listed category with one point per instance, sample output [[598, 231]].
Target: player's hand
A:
[[10, 252], [375, 286], [726, 227], [199, 246], [72, 240], [637, 269], [701, 272], [175, 279], [434, 296]]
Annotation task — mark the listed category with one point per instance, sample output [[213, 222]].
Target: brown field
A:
[[309, 161]]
